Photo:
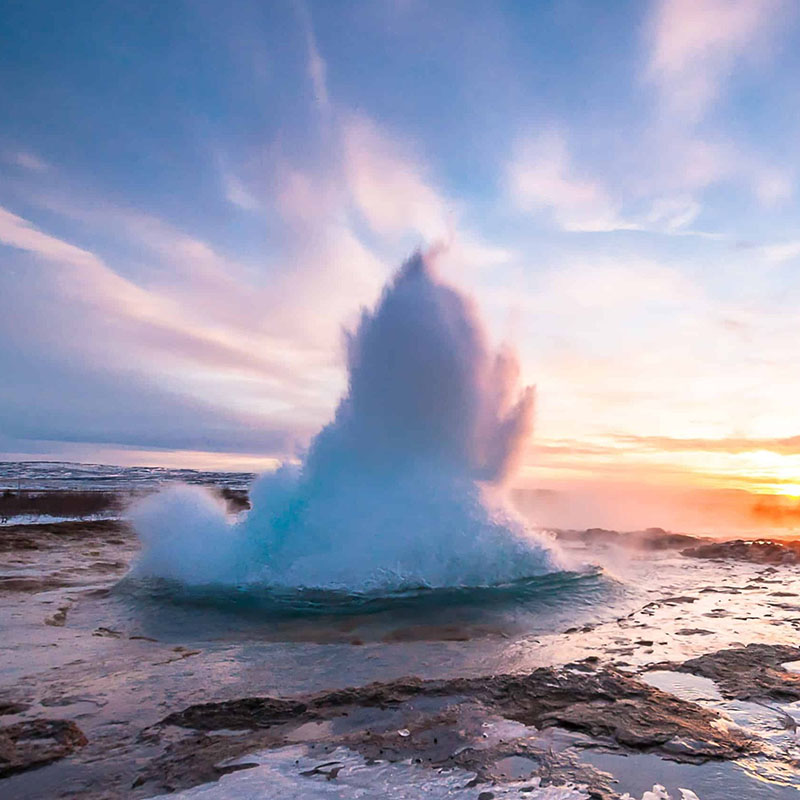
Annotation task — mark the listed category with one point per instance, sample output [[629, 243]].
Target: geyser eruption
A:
[[392, 494]]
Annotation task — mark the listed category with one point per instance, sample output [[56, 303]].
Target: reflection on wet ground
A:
[[116, 660], [638, 773]]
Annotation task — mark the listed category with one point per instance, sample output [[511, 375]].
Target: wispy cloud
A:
[[238, 194], [162, 333], [315, 64], [317, 71], [18, 232], [673, 213], [624, 285], [28, 160], [784, 445], [773, 185], [541, 176], [695, 45], [388, 186], [694, 48], [780, 252]]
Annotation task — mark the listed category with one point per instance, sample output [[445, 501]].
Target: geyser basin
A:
[[394, 492], [489, 617]]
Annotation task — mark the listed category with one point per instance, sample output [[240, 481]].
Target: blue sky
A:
[[196, 197]]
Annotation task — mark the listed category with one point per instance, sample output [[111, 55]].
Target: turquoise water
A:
[[535, 605]]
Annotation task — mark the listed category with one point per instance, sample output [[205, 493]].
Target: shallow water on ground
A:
[[714, 780], [118, 657], [291, 773]]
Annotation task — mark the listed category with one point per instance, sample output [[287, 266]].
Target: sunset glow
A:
[[615, 187]]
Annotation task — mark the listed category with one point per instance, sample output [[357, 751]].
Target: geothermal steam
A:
[[392, 493]]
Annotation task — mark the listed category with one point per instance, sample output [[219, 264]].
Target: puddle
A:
[[341, 774], [715, 780], [311, 732], [515, 768], [693, 688]]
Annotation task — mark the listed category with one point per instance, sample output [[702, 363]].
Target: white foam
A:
[[393, 492], [658, 792]]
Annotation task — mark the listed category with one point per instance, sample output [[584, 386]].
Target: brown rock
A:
[[37, 742], [603, 703], [762, 551], [751, 672]]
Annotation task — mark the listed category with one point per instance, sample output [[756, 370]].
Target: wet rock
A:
[[608, 703], [748, 673], [648, 539], [448, 723], [54, 534], [659, 539], [11, 707], [108, 633], [247, 714], [590, 536], [37, 742], [38, 584], [108, 566], [761, 551], [181, 653], [602, 703], [416, 633], [59, 619]]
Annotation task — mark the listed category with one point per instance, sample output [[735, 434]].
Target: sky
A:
[[196, 198]]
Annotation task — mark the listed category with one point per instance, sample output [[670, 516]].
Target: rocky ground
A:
[[441, 724], [107, 710]]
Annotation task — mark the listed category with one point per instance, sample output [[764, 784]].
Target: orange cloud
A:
[[786, 445]]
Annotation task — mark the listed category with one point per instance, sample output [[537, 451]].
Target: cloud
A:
[[695, 45], [315, 65], [317, 71], [79, 309], [86, 280], [388, 186], [238, 194], [541, 176], [781, 252], [78, 402], [694, 48], [673, 214], [29, 161], [633, 345], [18, 232], [784, 445], [613, 284], [259, 341], [773, 186], [222, 298], [55, 397]]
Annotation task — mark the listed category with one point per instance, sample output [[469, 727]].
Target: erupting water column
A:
[[391, 494]]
